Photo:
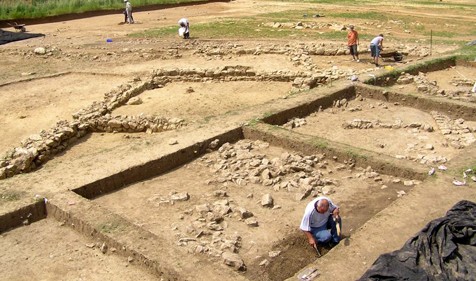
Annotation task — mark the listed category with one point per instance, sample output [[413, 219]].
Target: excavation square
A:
[[247, 198]]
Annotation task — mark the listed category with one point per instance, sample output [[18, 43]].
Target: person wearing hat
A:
[[128, 12], [376, 46], [184, 30], [352, 42]]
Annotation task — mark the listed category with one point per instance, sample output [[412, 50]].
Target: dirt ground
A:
[[37, 91]]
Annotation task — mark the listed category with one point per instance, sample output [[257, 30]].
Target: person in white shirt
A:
[[376, 46], [184, 30], [318, 219], [128, 12]]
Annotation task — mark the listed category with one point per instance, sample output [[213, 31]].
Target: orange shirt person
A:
[[352, 42]]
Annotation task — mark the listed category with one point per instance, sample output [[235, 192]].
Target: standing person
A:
[[318, 219], [184, 29], [352, 42], [128, 13], [376, 46]]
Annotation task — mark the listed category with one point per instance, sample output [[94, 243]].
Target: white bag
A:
[[181, 32]]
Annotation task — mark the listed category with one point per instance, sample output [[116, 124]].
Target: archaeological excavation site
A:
[[159, 159]]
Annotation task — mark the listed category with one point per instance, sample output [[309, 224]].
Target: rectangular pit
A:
[[379, 122], [148, 205]]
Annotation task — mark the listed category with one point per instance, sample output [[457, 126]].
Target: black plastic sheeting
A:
[[12, 36], [444, 250]]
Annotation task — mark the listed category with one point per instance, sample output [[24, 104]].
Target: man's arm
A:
[[335, 213], [310, 239]]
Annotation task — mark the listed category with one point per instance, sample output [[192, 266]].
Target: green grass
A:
[[337, 2], [9, 196], [260, 27], [433, 3], [443, 4], [244, 28], [468, 53], [10, 10], [365, 15], [319, 143], [355, 155], [110, 227], [268, 114]]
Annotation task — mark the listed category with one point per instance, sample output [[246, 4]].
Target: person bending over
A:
[[184, 30], [318, 222], [376, 46]]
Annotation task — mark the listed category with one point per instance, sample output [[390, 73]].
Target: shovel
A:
[[317, 251], [337, 220]]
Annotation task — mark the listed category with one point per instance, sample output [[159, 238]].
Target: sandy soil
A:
[[409, 142], [35, 252], [36, 92]]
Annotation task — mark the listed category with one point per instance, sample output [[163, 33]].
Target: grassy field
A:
[[23, 9], [400, 27]]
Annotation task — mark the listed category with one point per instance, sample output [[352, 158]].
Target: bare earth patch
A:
[[204, 203]]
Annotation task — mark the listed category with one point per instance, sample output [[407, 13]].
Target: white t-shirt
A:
[[312, 218], [376, 41], [184, 22]]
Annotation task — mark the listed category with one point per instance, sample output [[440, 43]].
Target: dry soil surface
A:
[[37, 91]]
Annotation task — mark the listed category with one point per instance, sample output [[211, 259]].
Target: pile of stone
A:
[[221, 50], [113, 99], [134, 124], [458, 134], [340, 103], [206, 230], [295, 123], [423, 84], [465, 82], [307, 83], [305, 25], [405, 78], [37, 149], [398, 124], [225, 73], [300, 80], [416, 50], [242, 164]]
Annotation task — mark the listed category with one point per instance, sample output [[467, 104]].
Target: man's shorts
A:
[[353, 50], [374, 51]]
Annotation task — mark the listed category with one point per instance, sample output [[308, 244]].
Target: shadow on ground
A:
[[9, 36]]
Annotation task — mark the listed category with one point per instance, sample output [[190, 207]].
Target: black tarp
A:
[[9, 36], [445, 249]]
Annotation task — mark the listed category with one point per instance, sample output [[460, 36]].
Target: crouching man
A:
[[184, 30], [321, 222]]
